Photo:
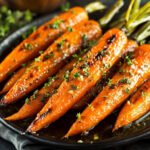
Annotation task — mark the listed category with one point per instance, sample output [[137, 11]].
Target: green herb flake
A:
[[28, 46], [84, 37], [78, 115], [61, 44], [37, 59], [56, 24], [35, 94], [124, 81], [23, 65], [47, 56], [127, 90], [128, 60], [77, 75], [27, 100], [70, 29], [50, 80], [143, 94], [66, 75], [41, 52]]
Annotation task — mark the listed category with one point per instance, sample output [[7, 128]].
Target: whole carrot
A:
[[40, 40], [52, 59], [131, 75], [136, 107], [83, 77]]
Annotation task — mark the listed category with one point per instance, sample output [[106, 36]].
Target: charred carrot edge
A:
[[136, 107], [39, 98], [130, 47], [123, 83], [41, 39], [52, 59], [82, 78]]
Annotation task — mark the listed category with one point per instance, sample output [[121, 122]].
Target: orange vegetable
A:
[[130, 47], [136, 107], [131, 75], [52, 59], [82, 78], [40, 40]]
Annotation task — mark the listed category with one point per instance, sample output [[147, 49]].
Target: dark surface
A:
[[22, 143]]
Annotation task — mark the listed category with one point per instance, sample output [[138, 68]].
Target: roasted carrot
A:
[[84, 76], [39, 98], [136, 107], [130, 47], [131, 75], [52, 59], [41, 39]]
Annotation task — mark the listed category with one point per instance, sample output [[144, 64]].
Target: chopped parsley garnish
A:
[[121, 71], [41, 52], [143, 94], [127, 90], [85, 70], [37, 59], [47, 56], [66, 75], [56, 24], [70, 29], [124, 81], [84, 37], [77, 75], [78, 115], [28, 46], [34, 96], [27, 100], [61, 44], [50, 80], [76, 56], [23, 65], [109, 82], [128, 59]]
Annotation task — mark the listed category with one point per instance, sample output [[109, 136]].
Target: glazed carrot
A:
[[52, 59], [39, 98], [40, 40], [136, 107], [130, 47], [131, 75], [84, 76]]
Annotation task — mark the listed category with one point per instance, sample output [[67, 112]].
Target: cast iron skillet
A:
[[52, 135]]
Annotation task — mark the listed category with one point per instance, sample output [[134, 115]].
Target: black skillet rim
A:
[[115, 141]]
